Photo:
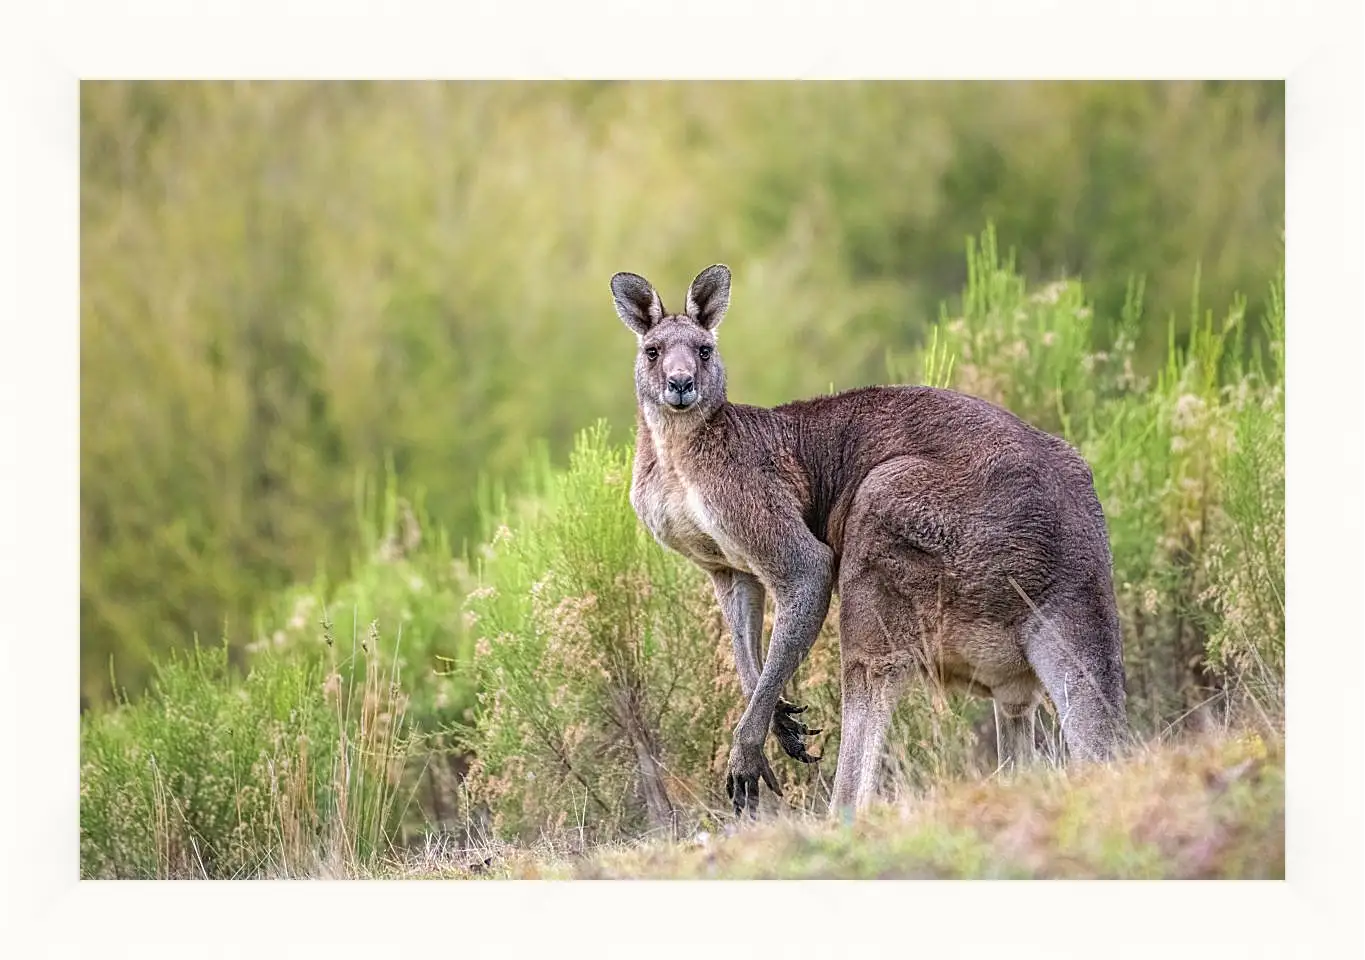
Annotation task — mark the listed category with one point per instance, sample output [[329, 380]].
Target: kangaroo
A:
[[965, 544]]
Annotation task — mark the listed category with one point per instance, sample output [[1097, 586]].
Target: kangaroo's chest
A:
[[683, 518]]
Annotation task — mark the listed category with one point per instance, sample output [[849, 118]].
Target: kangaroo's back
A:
[[1010, 482]]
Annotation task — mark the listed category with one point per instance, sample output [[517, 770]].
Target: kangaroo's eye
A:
[[652, 353], [704, 353]]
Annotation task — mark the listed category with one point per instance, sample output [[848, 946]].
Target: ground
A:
[[1211, 809]]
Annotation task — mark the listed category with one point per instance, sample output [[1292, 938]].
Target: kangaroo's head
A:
[[678, 373]]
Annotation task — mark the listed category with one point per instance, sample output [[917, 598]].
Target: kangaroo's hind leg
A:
[[1016, 699], [876, 663], [1074, 646], [890, 589], [1014, 734]]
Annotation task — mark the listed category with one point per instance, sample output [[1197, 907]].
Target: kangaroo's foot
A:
[[791, 732]]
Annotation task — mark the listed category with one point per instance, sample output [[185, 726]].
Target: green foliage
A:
[[588, 670], [1246, 560], [293, 767], [404, 578], [284, 283]]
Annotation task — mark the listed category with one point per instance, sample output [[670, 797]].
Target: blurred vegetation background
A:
[[290, 287]]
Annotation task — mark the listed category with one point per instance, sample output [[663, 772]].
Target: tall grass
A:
[[295, 768]]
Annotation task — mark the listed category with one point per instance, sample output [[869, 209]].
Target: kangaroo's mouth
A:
[[679, 402]]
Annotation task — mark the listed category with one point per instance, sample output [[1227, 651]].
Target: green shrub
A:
[[1246, 561], [603, 678]]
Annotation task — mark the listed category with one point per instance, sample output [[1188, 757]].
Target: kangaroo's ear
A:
[[709, 296], [637, 303]]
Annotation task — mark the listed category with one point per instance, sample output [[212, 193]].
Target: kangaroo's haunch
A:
[[966, 545]]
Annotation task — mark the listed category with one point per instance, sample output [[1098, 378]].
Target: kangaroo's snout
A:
[[680, 390]]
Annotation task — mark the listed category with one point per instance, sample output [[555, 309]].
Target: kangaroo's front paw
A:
[[747, 766], [791, 732]]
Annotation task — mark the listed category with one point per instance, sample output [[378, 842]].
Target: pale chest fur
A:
[[679, 513]]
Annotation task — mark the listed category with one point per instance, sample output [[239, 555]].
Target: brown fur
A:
[[965, 544]]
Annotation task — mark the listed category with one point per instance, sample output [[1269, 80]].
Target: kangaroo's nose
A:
[[682, 383]]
